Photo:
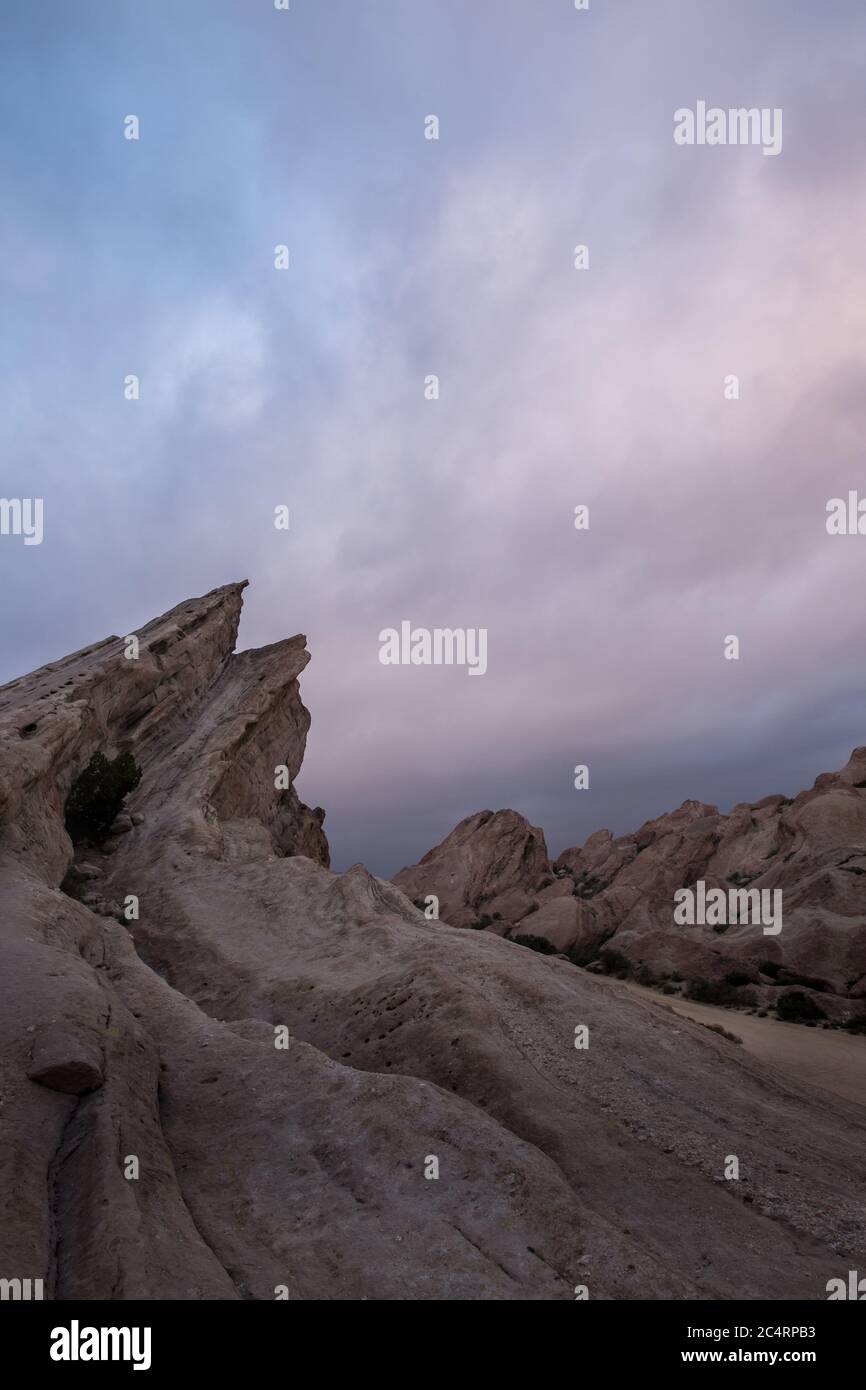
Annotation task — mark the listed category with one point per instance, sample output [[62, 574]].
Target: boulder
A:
[[64, 1059]]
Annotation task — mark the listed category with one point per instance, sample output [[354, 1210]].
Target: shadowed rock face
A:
[[620, 892], [491, 866], [164, 1136]]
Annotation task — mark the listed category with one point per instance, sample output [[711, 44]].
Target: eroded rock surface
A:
[[619, 893], [283, 1055], [488, 870]]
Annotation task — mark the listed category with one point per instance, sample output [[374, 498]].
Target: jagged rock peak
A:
[[207, 726], [487, 870]]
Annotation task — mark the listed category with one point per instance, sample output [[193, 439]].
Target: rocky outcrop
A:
[[227, 1072], [811, 850], [619, 893], [488, 870]]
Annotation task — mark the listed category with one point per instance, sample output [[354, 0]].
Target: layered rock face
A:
[[619, 893], [489, 870], [227, 1072]]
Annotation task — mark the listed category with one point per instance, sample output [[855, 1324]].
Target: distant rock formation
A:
[[490, 868], [227, 1072], [619, 893]]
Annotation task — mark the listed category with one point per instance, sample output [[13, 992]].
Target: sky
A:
[[558, 387]]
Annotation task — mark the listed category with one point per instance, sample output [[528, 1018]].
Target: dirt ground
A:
[[833, 1060]]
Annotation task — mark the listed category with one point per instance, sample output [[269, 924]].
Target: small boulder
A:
[[65, 1061]]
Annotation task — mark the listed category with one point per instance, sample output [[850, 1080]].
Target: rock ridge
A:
[[228, 1072]]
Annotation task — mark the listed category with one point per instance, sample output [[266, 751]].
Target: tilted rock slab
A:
[[284, 1056]]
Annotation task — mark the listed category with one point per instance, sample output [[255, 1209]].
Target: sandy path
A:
[[832, 1060]]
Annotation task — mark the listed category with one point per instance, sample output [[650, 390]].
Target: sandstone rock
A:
[[64, 1060], [812, 848], [557, 921], [491, 863], [305, 1165]]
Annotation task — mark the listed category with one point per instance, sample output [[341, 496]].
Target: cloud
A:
[[558, 387]]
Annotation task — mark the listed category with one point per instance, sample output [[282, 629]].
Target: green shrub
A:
[[536, 943], [737, 978], [614, 962], [722, 1032], [645, 976], [588, 885], [97, 794], [796, 1007], [582, 954], [711, 992]]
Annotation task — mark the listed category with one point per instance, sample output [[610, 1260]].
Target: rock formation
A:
[[619, 893], [490, 869], [227, 1072]]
